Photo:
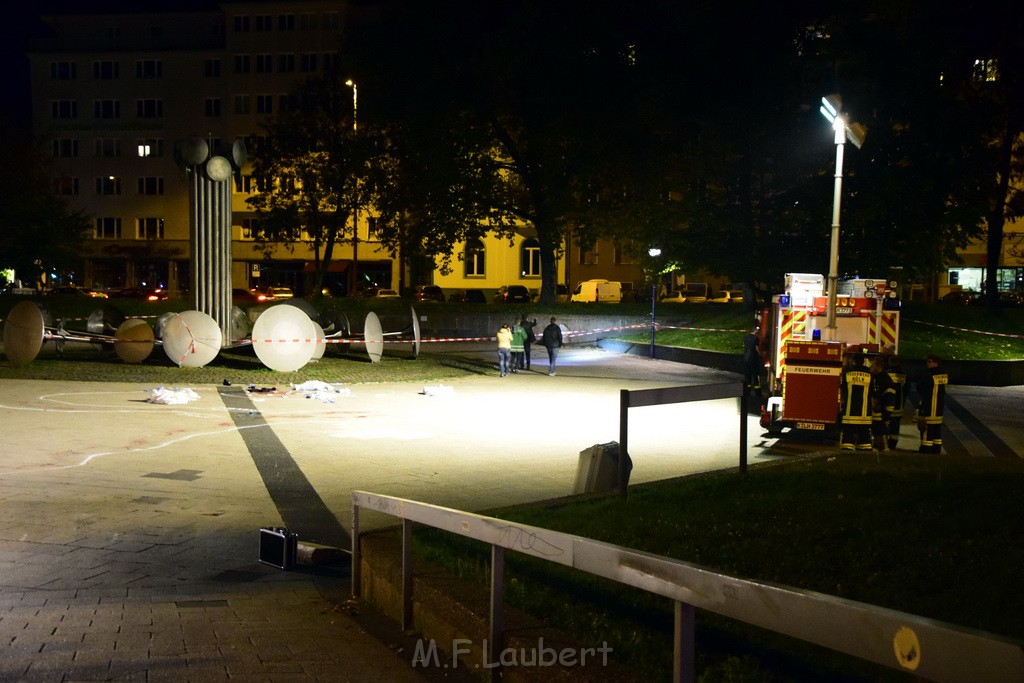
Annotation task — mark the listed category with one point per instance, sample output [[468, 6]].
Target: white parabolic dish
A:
[[284, 338]]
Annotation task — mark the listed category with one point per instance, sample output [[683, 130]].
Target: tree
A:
[[38, 233], [525, 98], [312, 170]]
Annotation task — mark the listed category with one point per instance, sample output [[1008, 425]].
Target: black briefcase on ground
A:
[[277, 547]]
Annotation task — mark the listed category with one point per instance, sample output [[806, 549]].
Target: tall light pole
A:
[[654, 253], [831, 106], [354, 279]]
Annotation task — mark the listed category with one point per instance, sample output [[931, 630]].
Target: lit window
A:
[[475, 259], [530, 258], [151, 147]]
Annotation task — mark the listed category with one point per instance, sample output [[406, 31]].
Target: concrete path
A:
[[129, 530]]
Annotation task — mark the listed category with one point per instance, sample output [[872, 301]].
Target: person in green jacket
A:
[[518, 341]]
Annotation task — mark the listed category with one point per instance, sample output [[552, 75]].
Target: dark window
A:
[[149, 68], [149, 109], [212, 106], [151, 185], [211, 68], [107, 109], [65, 147], [64, 109], [105, 70], [243, 64], [108, 185], [63, 71], [108, 228]]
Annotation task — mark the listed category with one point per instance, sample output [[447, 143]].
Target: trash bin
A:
[[598, 468]]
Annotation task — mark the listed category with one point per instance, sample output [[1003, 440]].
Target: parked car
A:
[[281, 292], [675, 296], [728, 296], [1012, 299], [385, 294], [247, 296], [468, 296], [512, 294], [427, 293], [960, 297], [70, 290], [561, 294], [143, 293]]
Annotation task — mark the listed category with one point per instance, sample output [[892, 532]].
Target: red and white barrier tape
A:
[[964, 329]]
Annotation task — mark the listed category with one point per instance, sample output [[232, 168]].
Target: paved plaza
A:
[[129, 530]]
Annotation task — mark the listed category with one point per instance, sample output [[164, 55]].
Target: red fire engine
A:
[[803, 364]]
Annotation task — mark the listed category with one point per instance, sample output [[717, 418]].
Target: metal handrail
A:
[[923, 647]]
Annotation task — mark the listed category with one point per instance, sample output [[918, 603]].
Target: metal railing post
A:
[[744, 406], [683, 652], [497, 633], [406, 575], [356, 569], [623, 440]]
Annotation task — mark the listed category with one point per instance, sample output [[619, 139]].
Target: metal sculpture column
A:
[[210, 226]]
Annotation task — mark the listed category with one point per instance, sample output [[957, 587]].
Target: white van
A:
[[601, 291]]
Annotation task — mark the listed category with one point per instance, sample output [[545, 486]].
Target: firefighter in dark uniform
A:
[[752, 363], [931, 389], [855, 405], [882, 398], [898, 381]]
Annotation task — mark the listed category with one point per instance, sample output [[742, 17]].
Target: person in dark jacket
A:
[[524, 361], [931, 390], [551, 339], [898, 381], [752, 363]]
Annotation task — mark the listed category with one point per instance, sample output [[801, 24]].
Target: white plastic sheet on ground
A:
[[321, 391], [173, 397]]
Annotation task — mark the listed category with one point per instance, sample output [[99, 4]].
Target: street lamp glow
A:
[[654, 252], [355, 102], [831, 106]]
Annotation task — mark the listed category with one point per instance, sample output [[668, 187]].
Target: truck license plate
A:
[[811, 425]]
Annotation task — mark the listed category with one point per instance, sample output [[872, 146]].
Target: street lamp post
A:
[[831, 106], [654, 253], [354, 279]]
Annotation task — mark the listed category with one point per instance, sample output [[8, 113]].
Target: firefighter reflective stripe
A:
[[856, 397], [931, 406], [899, 385]]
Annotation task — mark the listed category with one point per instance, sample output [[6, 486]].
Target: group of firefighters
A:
[[873, 392]]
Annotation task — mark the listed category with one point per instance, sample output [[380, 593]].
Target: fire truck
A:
[[803, 364]]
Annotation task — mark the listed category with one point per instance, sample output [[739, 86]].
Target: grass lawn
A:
[[930, 535], [953, 332]]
